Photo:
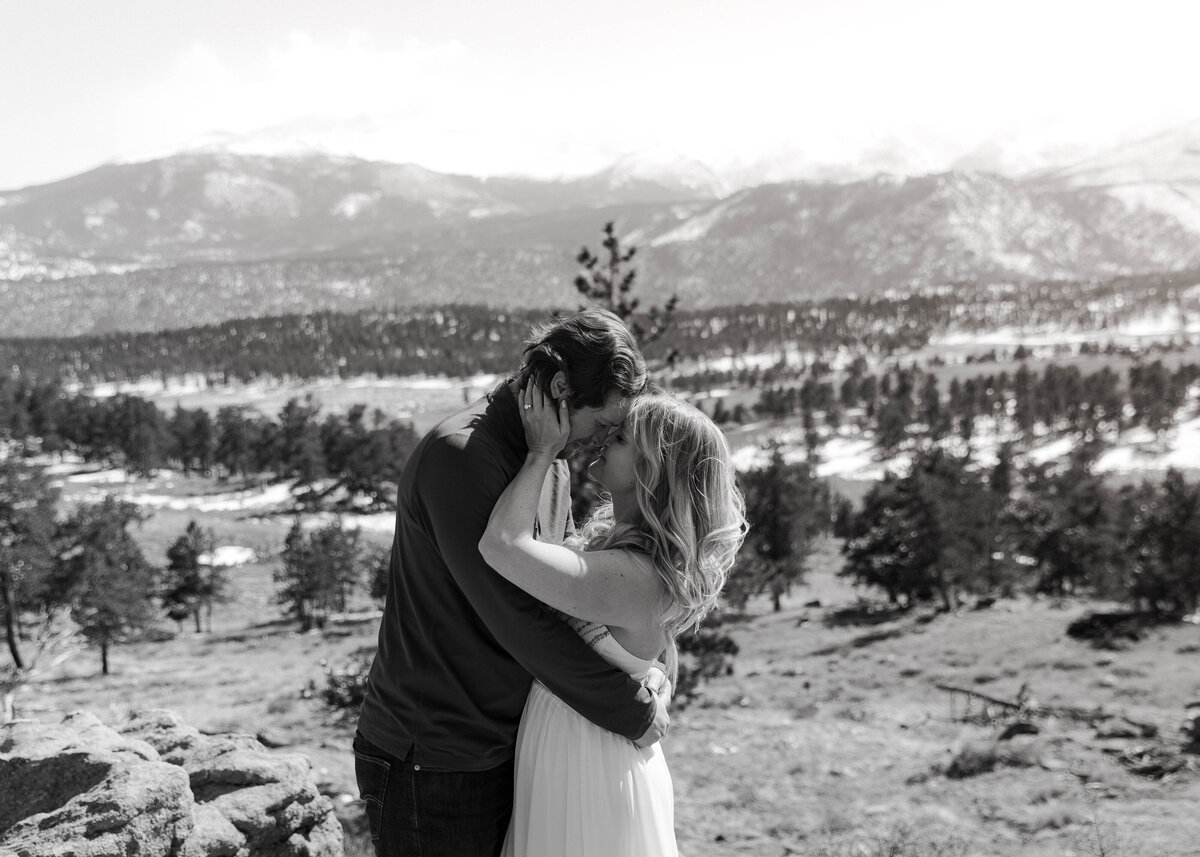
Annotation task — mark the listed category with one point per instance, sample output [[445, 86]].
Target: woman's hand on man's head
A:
[[547, 424]]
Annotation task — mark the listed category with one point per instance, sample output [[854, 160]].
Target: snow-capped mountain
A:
[[657, 176], [1160, 173], [413, 235], [1171, 156], [850, 160], [891, 232], [216, 204]]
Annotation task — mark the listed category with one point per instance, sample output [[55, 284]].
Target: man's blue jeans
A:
[[419, 813]]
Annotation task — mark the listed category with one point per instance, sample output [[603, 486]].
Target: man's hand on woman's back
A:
[[659, 685]]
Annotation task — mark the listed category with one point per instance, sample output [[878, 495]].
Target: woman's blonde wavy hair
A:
[[691, 518]]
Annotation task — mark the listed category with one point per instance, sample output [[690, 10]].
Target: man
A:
[[458, 644]]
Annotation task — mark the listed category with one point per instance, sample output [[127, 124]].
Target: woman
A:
[[647, 566]]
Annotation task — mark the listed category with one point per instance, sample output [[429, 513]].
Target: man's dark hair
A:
[[595, 350]]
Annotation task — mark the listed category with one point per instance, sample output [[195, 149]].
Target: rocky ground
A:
[[154, 786]]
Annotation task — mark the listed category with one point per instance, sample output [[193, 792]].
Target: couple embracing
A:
[[518, 693]]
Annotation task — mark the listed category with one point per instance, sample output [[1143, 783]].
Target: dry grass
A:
[[829, 738]]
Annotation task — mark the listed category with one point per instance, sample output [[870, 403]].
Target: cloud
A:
[[928, 82], [301, 81]]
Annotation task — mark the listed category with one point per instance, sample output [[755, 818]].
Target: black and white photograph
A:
[[445, 428]]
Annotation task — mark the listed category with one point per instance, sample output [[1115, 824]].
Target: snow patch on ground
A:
[[1166, 323], [845, 454], [228, 556], [237, 501], [442, 383], [1179, 448], [231, 501], [850, 456], [111, 476], [1055, 450], [178, 386], [734, 363], [854, 456], [381, 522], [192, 384]]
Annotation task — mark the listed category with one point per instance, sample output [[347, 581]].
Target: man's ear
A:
[[559, 388]]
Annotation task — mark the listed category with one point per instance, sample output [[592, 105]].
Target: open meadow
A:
[[829, 737]]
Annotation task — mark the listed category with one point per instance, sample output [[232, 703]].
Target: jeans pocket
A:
[[372, 773]]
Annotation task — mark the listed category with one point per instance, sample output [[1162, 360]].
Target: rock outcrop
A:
[[155, 787]]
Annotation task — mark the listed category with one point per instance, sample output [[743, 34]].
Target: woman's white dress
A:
[[582, 791]]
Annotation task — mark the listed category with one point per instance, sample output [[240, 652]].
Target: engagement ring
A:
[[527, 407]]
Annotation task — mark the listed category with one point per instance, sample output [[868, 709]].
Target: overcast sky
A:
[[550, 87]]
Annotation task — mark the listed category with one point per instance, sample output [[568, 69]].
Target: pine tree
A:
[[301, 457], [137, 428], [608, 283], [1065, 518], [1154, 397], [295, 579], [965, 512], [1164, 543], [787, 507], [27, 549], [112, 584], [928, 534], [931, 409], [180, 428], [192, 585], [891, 426], [318, 572], [886, 547], [1024, 410], [235, 441], [201, 442]]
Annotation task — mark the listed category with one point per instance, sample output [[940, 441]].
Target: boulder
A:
[[156, 786], [270, 798], [80, 788]]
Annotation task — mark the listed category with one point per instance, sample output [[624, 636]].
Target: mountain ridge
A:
[[212, 231]]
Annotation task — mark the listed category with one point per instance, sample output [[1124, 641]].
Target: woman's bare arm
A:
[[611, 587]]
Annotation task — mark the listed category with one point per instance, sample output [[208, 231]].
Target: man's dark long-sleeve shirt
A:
[[458, 643]]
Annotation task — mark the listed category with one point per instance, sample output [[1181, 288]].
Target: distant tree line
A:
[[949, 529], [462, 339], [1132, 352], [451, 340], [361, 454], [1056, 304], [907, 403]]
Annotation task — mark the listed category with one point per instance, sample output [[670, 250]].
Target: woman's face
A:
[[614, 468]]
